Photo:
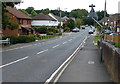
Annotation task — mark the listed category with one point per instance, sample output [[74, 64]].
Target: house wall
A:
[[7, 31], [15, 32], [44, 23]]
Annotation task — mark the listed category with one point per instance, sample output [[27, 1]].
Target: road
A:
[[36, 62]]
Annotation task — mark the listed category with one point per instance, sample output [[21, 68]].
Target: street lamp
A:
[[94, 16]]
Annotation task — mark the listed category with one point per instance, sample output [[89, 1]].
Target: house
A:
[[19, 18], [44, 20], [113, 22], [57, 18]]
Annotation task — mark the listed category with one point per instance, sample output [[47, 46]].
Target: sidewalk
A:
[[86, 66]]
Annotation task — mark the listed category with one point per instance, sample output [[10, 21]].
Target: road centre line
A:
[[42, 51], [64, 42], [14, 61], [55, 46], [70, 40]]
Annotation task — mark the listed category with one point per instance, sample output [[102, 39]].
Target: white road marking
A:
[[64, 65], [14, 62], [70, 40], [35, 44], [17, 48], [91, 62], [64, 42], [55, 46], [42, 51]]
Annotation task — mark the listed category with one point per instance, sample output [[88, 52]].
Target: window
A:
[[20, 21], [28, 22]]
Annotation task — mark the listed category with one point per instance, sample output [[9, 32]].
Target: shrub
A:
[[66, 29], [54, 30], [41, 30], [117, 45], [13, 39], [25, 39]]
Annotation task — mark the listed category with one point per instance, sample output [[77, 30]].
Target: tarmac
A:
[[87, 67]]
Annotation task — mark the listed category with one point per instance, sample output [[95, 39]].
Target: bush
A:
[[66, 29], [25, 39], [41, 30], [20, 39], [13, 39], [54, 30], [117, 45]]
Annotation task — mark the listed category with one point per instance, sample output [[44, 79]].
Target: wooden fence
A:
[[112, 38]]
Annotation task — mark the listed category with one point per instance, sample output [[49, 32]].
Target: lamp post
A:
[[94, 16]]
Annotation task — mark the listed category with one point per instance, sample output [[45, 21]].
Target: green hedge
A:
[[19, 39]]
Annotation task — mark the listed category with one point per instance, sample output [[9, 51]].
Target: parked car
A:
[[91, 31], [108, 32], [113, 34], [76, 30], [82, 27]]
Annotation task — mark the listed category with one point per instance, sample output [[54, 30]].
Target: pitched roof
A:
[[17, 13], [56, 17], [42, 16]]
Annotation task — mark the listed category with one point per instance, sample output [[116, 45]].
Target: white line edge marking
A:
[[16, 48], [55, 46], [42, 51], [51, 77], [14, 62]]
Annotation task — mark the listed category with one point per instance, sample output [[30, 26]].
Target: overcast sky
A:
[[68, 5]]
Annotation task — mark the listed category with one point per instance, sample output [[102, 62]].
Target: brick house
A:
[[19, 18]]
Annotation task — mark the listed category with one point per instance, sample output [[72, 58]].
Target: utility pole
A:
[[105, 12]]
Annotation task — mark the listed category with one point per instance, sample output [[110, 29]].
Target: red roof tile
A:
[[17, 13], [42, 16]]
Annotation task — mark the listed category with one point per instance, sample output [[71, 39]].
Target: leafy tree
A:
[[12, 25], [5, 18], [29, 9], [101, 14], [79, 22], [45, 11], [33, 13], [79, 13], [88, 21], [70, 23]]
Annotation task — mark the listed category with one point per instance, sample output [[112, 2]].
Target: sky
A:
[[68, 5]]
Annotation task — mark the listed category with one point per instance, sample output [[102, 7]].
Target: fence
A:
[[5, 41], [111, 58], [112, 38]]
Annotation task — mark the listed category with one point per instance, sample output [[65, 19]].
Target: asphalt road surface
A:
[[36, 62]]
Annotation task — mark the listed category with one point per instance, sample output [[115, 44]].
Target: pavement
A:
[[86, 66]]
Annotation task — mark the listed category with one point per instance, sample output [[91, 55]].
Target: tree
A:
[[33, 13], [70, 23], [101, 15], [79, 22], [29, 9], [6, 23], [79, 13], [88, 21]]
